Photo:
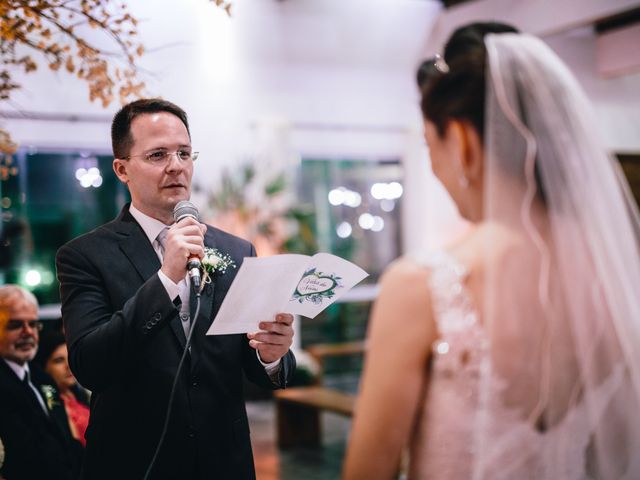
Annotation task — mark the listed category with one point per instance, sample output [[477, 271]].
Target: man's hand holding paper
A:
[[274, 339]]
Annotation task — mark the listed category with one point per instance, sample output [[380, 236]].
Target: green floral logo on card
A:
[[315, 286]]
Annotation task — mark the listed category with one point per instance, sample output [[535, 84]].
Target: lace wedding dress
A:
[[464, 430]]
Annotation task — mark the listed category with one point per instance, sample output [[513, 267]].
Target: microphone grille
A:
[[184, 208]]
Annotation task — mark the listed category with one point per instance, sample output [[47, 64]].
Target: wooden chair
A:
[[298, 408]]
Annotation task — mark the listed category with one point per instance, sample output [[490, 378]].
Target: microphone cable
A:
[[173, 388]]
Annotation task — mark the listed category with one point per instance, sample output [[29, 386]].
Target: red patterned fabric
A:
[[78, 414]]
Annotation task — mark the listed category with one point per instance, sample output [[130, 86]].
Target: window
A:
[[53, 197]]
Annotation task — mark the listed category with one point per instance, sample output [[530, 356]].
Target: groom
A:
[[127, 308]]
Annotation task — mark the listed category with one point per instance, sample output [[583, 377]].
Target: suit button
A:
[[192, 432], [157, 316], [194, 384]]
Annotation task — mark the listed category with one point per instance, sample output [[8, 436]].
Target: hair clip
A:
[[440, 64]]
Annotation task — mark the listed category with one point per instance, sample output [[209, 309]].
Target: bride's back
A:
[[506, 396]]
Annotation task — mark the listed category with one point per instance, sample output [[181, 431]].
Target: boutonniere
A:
[[215, 262], [49, 395]]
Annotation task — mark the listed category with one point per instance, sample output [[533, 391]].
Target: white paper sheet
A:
[[298, 284]]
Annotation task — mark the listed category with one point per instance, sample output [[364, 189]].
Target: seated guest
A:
[[33, 423], [52, 358]]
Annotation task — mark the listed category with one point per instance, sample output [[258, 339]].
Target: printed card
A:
[[288, 283]]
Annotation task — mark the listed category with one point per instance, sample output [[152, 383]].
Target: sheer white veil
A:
[[560, 391]]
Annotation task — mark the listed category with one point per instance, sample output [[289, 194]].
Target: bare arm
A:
[[400, 335]]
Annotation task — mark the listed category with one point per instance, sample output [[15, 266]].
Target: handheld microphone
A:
[[184, 209]]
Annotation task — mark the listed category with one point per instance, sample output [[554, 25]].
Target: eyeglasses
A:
[[35, 325], [162, 157]]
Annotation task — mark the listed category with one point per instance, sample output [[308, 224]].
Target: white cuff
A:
[[271, 368], [173, 290]]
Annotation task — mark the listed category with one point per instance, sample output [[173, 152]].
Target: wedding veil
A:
[[560, 391]]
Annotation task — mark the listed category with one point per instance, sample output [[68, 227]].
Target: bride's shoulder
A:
[[404, 299], [403, 272]]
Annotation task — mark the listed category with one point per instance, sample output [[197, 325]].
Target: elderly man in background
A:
[[33, 424]]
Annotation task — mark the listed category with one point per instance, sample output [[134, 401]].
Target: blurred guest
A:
[[52, 358], [1, 457], [33, 423], [512, 354]]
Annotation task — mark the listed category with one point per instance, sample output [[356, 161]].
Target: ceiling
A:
[[368, 34]]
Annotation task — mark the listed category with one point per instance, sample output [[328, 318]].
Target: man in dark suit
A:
[[33, 423], [127, 308]]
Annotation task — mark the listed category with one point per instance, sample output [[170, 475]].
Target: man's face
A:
[[155, 189], [20, 344]]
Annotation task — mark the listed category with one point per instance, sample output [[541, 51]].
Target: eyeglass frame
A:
[[193, 156], [14, 324]]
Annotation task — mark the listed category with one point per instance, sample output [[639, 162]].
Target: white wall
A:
[[616, 100]]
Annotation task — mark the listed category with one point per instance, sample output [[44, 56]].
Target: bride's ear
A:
[[470, 149]]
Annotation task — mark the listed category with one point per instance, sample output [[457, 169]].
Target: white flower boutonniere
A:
[[215, 262], [49, 395]]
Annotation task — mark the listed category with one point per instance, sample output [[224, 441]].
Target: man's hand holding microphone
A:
[[185, 240], [184, 246]]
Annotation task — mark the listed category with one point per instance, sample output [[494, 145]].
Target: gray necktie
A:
[[161, 239]]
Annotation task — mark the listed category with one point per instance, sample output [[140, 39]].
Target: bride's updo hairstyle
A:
[[455, 88]]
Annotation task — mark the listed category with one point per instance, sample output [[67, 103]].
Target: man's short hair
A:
[[121, 138], [13, 295]]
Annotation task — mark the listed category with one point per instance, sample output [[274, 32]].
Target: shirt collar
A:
[[20, 370], [150, 226]]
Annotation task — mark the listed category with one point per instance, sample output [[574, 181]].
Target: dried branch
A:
[[55, 31]]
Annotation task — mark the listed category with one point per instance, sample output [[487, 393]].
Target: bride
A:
[[515, 353]]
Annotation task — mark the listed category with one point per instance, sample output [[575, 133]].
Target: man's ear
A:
[[120, 169], [469, 145]]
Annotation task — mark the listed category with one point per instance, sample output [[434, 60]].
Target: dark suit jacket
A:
[[36, 445], [125, 341]]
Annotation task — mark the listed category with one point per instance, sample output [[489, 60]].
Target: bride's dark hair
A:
[[460, 92]]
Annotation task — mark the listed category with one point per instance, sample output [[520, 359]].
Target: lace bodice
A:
[[459, 349], [441, 447], [463, 392]]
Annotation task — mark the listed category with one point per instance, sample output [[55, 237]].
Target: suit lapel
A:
[[23, 392], [207, 303], [136, 247], [26, 396], [55, 405]]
